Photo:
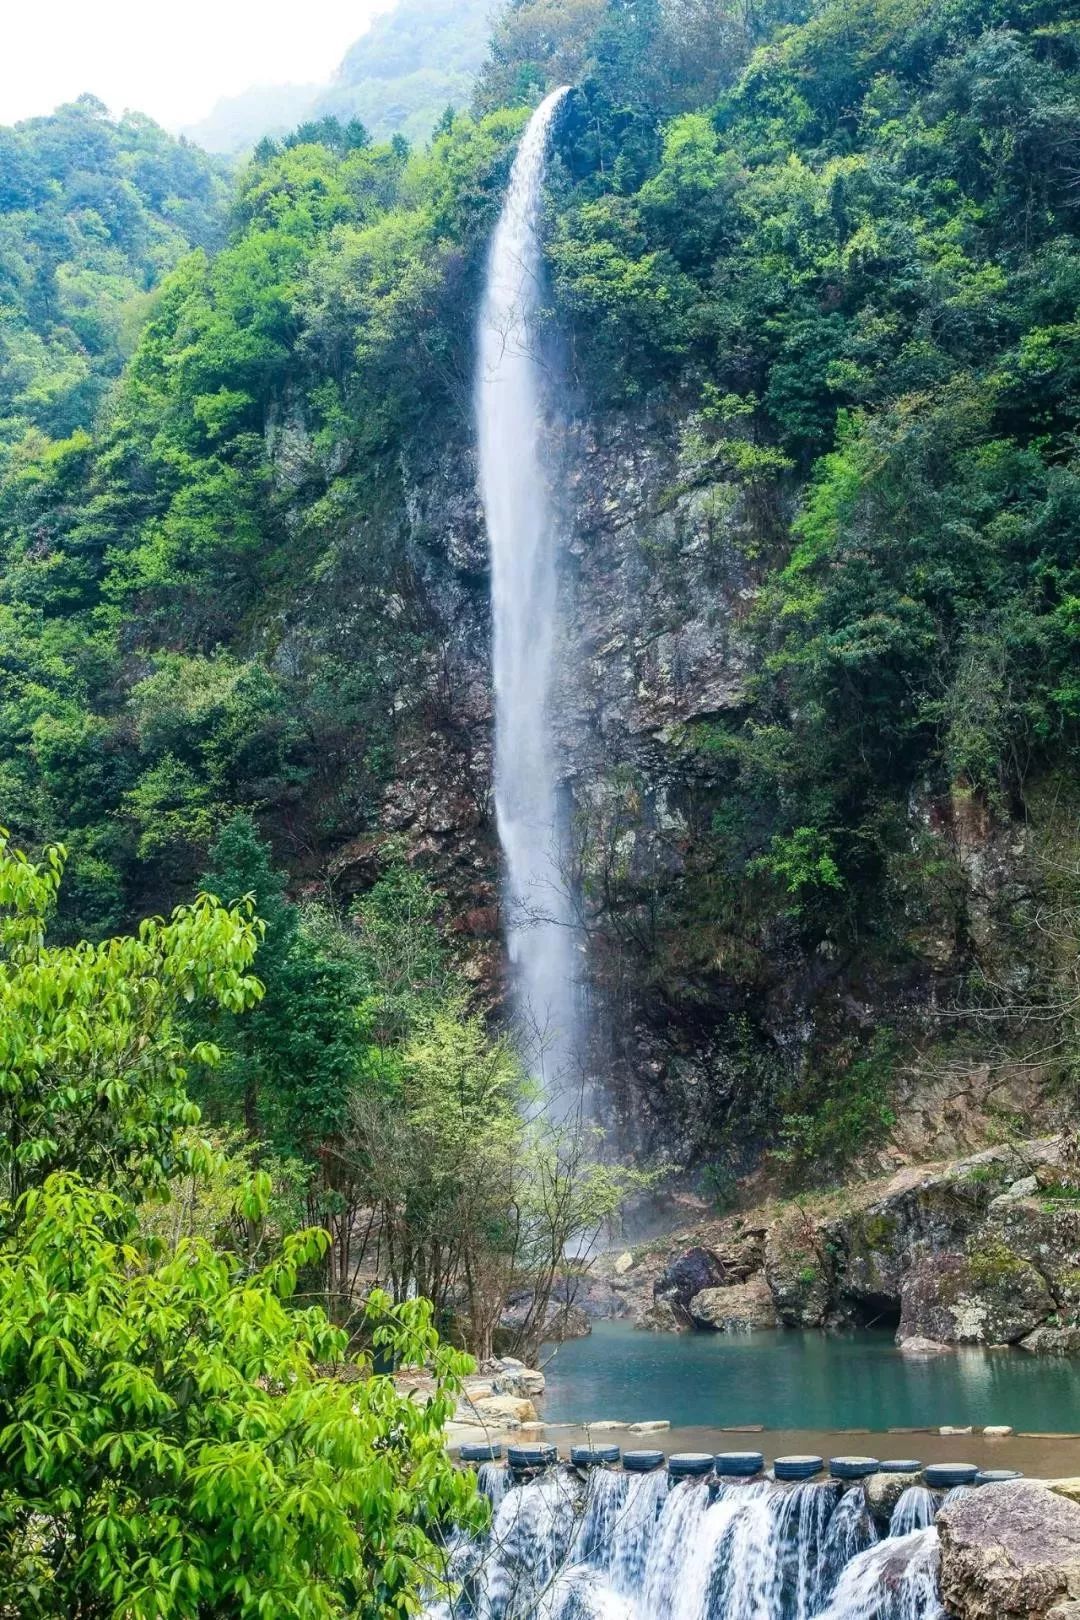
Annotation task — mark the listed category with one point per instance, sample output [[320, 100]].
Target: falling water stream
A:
[[619, 1546], [514, 483]]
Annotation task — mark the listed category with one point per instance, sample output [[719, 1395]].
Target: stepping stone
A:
[[531, 1456], [481, 1453], [900, 1465], [997, 1476], [739, 1464], [852, 1467], [594, 1456], [690, 1464], [797, 1467], [943, 1476], [642, 1462]]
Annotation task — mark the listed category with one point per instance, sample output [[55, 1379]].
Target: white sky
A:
[[172, 60]]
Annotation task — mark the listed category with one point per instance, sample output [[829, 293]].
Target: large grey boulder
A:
[[992, 1296], [1009, 1552], [743, 1308]]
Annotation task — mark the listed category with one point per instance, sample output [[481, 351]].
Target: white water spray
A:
[[524, 600], [637, 1547]]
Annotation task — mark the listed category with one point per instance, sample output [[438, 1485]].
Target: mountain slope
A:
[[414, 62], [93, 213], [813, 292]]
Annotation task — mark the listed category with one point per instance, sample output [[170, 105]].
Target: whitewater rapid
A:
[[618, 1546]]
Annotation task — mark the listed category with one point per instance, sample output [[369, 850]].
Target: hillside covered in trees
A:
[[822, 260], [93, 214], [809, 320]]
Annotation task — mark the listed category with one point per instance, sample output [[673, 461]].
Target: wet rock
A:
[[918, 1346], [1009, 1552], [741, 1308], [883, 1491]]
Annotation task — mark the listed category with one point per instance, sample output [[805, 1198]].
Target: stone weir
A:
[[714, 1538]]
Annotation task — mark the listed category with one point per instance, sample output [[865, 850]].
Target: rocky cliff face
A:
[[698, 1015], [985, 1250]]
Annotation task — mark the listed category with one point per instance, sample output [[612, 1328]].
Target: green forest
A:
[[838, 243]]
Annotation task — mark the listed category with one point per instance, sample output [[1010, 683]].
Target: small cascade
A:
[[634, 1531], [494, 1482], [616, 1546], [851, 1531], [528, 1546], [916, 1510], [803, 1514], [897, 1579], [679, 1563], [605, 1507]]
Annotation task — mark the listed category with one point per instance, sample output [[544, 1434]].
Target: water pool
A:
[[792, 1380]]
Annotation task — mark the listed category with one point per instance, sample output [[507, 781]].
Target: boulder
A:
[[991, 1297], [511, 1378], [883, 1491], [623, 1264], [1009, 1552], [653, 1426], [687, 1276], [919, 1346], [740, 1308], [1053, 1341], [501, 1412], [568, 1322], [799, 1273], [663, 1317]]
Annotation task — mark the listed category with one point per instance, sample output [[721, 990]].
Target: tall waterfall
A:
[[618, 1546], [524, 600]]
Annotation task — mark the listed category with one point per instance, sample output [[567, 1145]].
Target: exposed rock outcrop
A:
[[1010, 1552], [982, 1251], [740, 1308]]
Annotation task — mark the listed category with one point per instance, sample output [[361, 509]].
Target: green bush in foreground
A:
[[171, 1445], [168, 1448]]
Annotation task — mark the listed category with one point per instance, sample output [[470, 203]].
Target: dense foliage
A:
[[170, 1443], [93, 213], [836, 241]]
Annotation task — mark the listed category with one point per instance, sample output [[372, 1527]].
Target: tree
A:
[[287, 1065], [169, 1450], [94, 1042]]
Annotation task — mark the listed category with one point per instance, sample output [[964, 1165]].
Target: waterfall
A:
[[915, 1510], [524, 607], [636, 1547]]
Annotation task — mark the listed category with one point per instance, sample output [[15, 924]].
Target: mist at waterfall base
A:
[[510, 399], [617, 1546]]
